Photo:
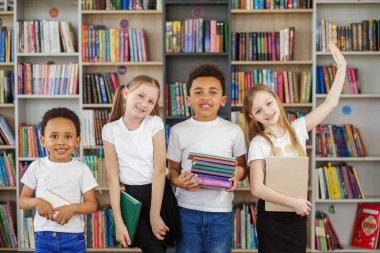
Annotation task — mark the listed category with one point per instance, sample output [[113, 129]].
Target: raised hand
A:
[[338, 56]]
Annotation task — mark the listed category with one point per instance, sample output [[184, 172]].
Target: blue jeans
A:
[[57, 242], [205, 232]]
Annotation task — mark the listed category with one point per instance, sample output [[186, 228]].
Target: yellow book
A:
[[101, 45], [112, 45], [117, 44], [329, 183], [336, 183]]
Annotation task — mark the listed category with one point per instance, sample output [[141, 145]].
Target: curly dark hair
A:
[[60, 112], [205, 70]]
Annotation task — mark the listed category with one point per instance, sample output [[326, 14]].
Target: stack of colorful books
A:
[[213, 172]]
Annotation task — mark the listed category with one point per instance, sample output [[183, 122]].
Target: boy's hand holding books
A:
[[65, 214], [238, 174], [188, 181], [44, 209]]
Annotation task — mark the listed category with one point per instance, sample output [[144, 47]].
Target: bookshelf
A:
[[352, 109]]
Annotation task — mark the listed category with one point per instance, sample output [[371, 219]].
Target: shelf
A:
[[7, 64], [7, 188], [196, 2], [6, 13], [351, 249], [7, 105], [8, 249], [146, 63], [242, 63], [270, 11], [351, 96], [196, 54], [368, 199], [48, 96], [348, 159], [7, 147], [121, 12], [351, 53], [48, 54], [97, 106]]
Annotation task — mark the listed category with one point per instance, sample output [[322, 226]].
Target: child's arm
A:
[[66, 212], [112, 167], [27, 202], [316, 116], [259, 189], [185, 180], [240, 172], [158, 183]]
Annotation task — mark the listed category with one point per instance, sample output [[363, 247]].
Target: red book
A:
[[366, 227]]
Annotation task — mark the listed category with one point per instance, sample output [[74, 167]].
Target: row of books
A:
[[101, 44], [7, 170], [196, 35], [290, 87], [326, 75], [93, 122], [271, 4], [6, 86], [244, 235], [99, 87], [175, 99], [326, 237], [338, 141], [6, 135], [263, 46], [8, 234], [237, 117], [98, 229], [364, 36], [44, 36], [98, 168], [122, 5], [6, 5], [27, 238], [6, 44], [47, 79], [339, 182], [29, 141]]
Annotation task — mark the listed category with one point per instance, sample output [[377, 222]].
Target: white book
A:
[[54, 199]]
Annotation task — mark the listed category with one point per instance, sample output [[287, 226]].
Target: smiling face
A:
[[60, 138], [141, 101], [206, 97], [265, 109]]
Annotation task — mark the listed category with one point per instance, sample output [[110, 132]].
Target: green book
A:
[[130, 211]]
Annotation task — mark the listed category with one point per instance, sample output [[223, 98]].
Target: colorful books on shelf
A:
[[357, 36], [326, 237], [121, 5], [366, 227], [98, 229], [263, 46], [326, 75], [6, 134], [339, 182], [339, 141], [93, 122], [289, 86], [213, 171], [6, 87], [48, 79], [270, 5], [44, 36], [29, 141], [98, 168], [101, 44], [7, 170], [99, 88], [8, 235], [175, 99], [244, 234], [196, 35], [6, 44]]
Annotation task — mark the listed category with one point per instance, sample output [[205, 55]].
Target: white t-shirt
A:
[[134, 149], [259, 148], [69, 180], [217, 137]]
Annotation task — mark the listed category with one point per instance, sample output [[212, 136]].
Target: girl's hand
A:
[[65, 214], [302, 206], [235, 179], [188, 181], [158, 227], [122, 235], [44, 209], [338, 56]]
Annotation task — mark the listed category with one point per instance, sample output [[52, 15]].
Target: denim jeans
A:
[[205, 232], [57, 242]]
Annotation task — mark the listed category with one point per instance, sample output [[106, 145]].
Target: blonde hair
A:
[[254, 128], [118, 107]]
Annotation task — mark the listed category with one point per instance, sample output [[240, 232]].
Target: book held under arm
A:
[[287, 175]]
